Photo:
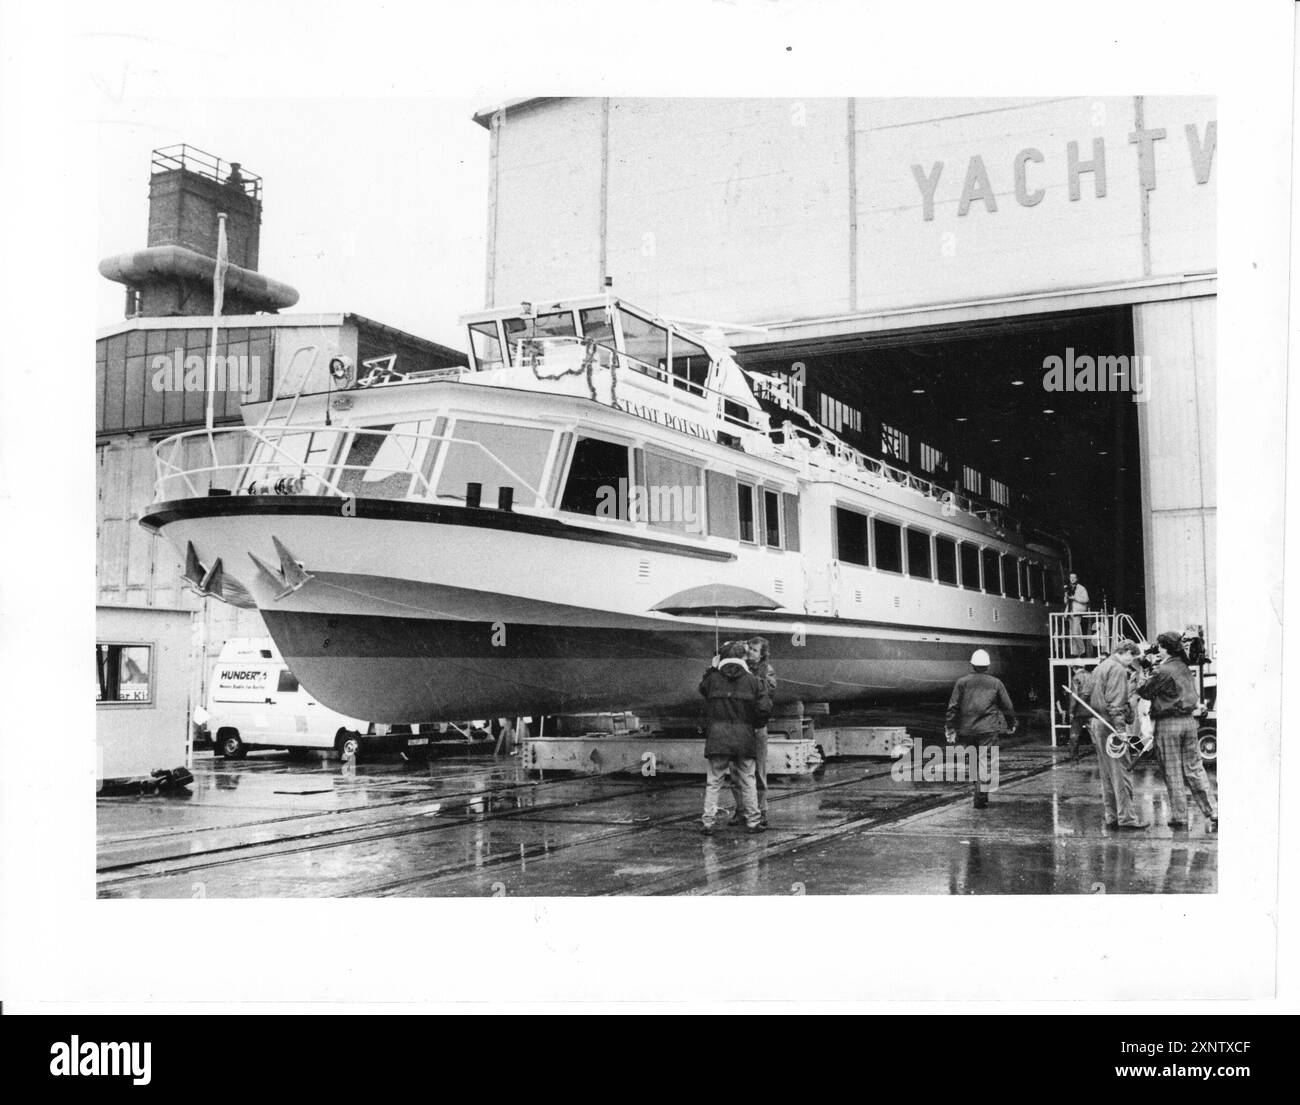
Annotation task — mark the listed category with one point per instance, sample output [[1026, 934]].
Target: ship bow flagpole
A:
[[218, 295]]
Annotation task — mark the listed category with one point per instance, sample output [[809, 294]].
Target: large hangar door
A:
[[977, 402], [1177, 341]]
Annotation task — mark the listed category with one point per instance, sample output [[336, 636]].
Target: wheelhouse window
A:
[[690, 365], [558, 324], [598, 325], [495, 456], [381, 461], [645, 341], [594, 474], [945, 560], [970, 566], [123, 673], [745, 511], [851, 537], [992, 576], [918, 554], [772, 519], [888, 539], [1011, 576], [486, 345]]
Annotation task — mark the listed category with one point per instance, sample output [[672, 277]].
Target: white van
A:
[[255, 701]]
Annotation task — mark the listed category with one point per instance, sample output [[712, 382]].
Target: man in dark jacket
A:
[[978, 712], [1110, 700], [737, 702], [1171, 690]]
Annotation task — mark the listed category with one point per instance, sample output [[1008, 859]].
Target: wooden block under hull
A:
[[648, 755]]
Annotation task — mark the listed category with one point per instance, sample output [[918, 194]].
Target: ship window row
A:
[[874, 542]]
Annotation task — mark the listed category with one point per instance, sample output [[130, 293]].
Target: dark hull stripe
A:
[[400, 510]]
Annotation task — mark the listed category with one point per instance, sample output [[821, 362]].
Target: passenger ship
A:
[[495, 539]]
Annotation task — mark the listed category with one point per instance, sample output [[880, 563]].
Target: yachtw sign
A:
[[978, 180]]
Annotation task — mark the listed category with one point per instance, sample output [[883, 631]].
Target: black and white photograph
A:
[[538, 468]]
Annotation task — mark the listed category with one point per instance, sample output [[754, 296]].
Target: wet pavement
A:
[[477, 826]]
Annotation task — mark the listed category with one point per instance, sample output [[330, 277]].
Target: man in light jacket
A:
[[1110, 699]]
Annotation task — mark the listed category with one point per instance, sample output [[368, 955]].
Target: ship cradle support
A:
[[792, 749]]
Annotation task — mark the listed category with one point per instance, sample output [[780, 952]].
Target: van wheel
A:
[[1208, 741], [232, 747], [348, 744]]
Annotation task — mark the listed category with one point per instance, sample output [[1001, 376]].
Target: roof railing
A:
[[191, 159]]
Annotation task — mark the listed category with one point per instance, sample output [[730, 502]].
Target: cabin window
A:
[[594, 474], [287, 683], [970, 566], [745, 511], [380, 461], [495, 456], [724, 520], [851, 537], [515, 329], [598, 325], [790, 504], [1010, 576], [646, 342], [1024, 580], [1036, 583], [486, 344], [673, 500], [772, 519], [992, 577], [690, 365], [888, 539], [918, 554], [945, 560], [123, 673]]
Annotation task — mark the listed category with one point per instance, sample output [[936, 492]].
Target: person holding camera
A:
[[1171, 690]]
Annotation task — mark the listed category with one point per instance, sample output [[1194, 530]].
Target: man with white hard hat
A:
[[979, 711]]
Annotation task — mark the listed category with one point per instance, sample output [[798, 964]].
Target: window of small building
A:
[[851, 537], [1010, 576], [123, 673], [888, 540], [970, 566], [918, 554], [772, 519], [945, 560], [745, 511], [992, 573], [893, 443]]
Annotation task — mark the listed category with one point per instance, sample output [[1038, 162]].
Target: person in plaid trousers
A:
[[1171, 690]]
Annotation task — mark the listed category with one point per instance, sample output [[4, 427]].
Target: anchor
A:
[[206, 582], [290, 576]]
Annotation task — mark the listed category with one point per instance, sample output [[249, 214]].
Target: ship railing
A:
[[264, 463], [1090, 636]]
